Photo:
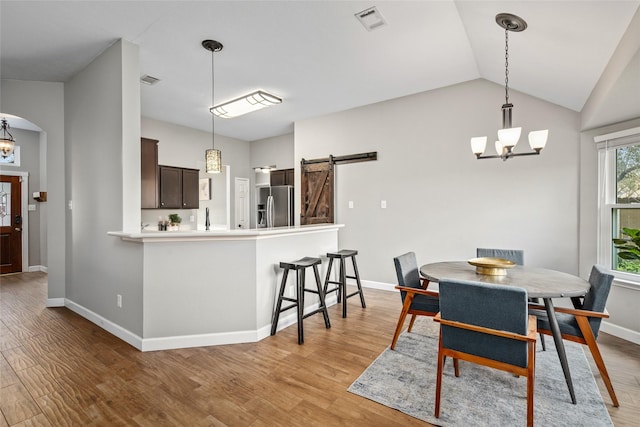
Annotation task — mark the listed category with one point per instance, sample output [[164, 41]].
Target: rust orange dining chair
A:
[[416, 299], [488, 325], [582, 323]]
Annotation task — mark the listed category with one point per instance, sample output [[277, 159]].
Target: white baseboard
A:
[[107, 325], [200, 340], [34, 268], [620, 332], [185, 341], [55, 302], [378, 285]]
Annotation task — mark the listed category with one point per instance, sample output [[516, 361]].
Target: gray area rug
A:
[[405, 378]]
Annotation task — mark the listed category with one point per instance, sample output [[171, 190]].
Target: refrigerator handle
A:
[[270, 211]]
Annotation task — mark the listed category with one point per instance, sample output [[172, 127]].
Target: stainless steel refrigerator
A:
[[275, 206]]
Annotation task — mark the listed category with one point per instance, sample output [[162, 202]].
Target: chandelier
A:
[[508, 136], [6, 140]]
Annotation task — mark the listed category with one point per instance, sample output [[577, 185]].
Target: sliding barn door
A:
[[317, 193]]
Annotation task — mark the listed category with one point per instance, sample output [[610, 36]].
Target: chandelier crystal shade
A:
[[245, 104], [7, 143], [509, 136], [213, 157]]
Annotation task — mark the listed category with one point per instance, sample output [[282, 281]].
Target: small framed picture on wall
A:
[[205, 188]]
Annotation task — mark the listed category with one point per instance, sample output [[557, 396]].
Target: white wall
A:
[[442, 203], [185, 147], [103, 149], [42, 103]]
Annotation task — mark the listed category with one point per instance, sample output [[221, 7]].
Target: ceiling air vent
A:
[[150, 80], [371, 18]]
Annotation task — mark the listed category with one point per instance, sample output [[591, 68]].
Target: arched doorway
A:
[[24, 221]]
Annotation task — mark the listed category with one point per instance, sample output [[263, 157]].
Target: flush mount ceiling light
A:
[[508, 136], [213, 157], [264, 169], [245, 104], [7, 143]]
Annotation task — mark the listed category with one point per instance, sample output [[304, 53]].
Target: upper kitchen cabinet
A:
[[178, 187], [149, 173], [282, 177]]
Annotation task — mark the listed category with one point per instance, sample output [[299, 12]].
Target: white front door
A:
[[242, 203]]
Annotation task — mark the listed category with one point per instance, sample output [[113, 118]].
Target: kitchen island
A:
[[218, 287]]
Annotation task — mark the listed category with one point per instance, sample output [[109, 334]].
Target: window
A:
[[619, 195]]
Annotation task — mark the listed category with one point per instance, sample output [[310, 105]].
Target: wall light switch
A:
[[350, 204], [192, 218], [32, 207], [383, 204]]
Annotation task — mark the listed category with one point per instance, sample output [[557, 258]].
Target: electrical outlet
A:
[[119, 300]]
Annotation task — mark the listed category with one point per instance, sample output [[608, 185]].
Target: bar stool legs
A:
[[341, 287], [300, 266]]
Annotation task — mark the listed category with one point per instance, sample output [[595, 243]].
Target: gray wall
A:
[[29, 143], [614, 105], [103, 149], [278, 151], [624, 298], [442, 203], [42, 103]]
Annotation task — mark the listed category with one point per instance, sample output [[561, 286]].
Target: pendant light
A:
[[6, 140], [213, 157], [508, 136]]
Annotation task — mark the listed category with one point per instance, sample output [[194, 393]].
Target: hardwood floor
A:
[[59, 369]]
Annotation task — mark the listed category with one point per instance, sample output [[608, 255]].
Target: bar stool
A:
[[342, 281], [299, 266]]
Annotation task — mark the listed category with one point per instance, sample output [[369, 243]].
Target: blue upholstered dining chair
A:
[[582, 323], [416, 299], [514, 255], [488, 325]]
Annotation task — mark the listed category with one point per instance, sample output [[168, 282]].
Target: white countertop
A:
[[235, 234]]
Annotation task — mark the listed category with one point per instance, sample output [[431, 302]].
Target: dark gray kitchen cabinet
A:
[[149, 173], [281, 177], [178, 188]]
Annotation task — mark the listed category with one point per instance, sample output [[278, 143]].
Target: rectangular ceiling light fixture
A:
[[245, 104], [371, 18]]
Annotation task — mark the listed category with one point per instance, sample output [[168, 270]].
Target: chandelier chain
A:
[[506, 65]]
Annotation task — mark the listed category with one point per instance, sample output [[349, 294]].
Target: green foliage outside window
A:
[[628, 251], [628, 174]]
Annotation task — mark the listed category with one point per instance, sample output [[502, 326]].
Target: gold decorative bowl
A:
[[490, 266]]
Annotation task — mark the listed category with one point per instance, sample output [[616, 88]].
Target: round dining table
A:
[[538, 282]]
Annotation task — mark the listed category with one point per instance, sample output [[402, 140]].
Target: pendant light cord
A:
[[213, 127]]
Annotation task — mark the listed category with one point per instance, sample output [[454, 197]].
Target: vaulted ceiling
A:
[[315, 54]]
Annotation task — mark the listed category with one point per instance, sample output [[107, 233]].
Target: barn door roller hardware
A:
[[338, 160]]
